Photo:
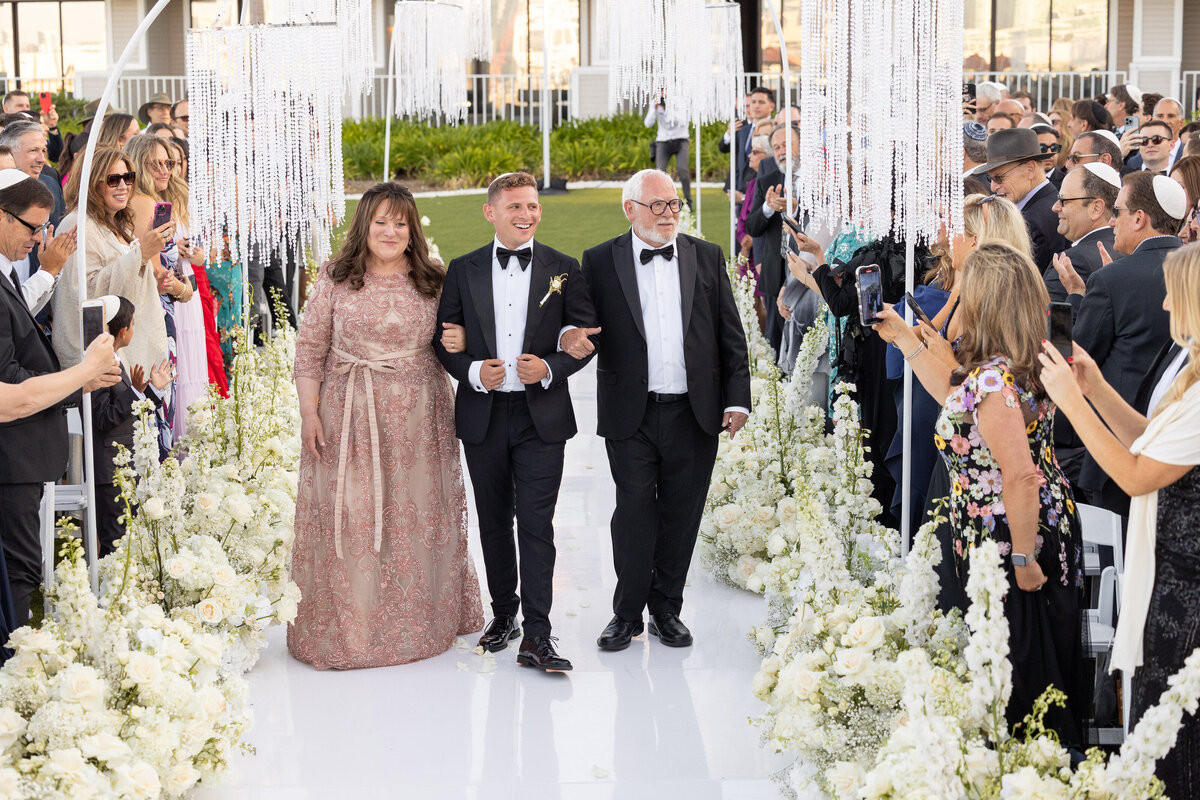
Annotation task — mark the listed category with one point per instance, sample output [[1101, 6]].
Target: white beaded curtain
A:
[[654, 46], [265, 136], [354, 22], [430, 57], [824, 89], [724, 23], [479, 28]]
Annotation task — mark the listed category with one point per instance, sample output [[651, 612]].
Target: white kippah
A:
[[1112, 137], [112, 304], [1171, 196], [11, 177], [1135, 94], [1105, 173]]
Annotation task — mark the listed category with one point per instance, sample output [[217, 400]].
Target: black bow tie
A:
[[524, 256], [667, 252]]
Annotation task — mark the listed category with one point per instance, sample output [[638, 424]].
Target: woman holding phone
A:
[[995, 435]]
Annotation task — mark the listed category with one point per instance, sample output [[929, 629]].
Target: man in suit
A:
[[1095, 147], [1084, 208], [513, 410], [1121, 322], [33, 450], [760, 105], [1016, 172], [765, 220], [673, 373]]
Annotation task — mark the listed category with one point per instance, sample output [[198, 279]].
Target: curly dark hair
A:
[[350, 263]]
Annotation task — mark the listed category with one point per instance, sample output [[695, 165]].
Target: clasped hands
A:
[[530, 368]]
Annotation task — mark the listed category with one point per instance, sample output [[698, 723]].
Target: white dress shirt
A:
[[668, 126], [510, 302], [662, 316], [1164, 383], [37, 289]]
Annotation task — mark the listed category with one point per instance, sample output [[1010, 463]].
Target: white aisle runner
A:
[[648, 723]]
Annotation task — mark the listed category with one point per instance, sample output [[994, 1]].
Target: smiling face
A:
[[30, 153], [515, 215], [1073, 208], [388, 235], [651, 229], [16, 240], [1156, 145], [158, 168], [117, 198]]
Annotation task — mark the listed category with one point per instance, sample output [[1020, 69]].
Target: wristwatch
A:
[[1021, 560]]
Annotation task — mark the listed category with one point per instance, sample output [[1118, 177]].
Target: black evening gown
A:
[[1173, 626]]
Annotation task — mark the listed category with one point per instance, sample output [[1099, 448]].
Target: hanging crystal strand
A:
[[431, 67], [353, 19], [479, 28]]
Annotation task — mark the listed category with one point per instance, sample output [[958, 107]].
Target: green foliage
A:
[[473, 155]]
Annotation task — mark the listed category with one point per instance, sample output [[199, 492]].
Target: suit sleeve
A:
[[450, 309], [1095, 324], [731, 343], [756, 220], [112, 406], [1044, 245], [578, 311]]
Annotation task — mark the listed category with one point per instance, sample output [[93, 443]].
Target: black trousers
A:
[[20, 526], [514, 472], [663, 150], [662, 474], [109, 508]]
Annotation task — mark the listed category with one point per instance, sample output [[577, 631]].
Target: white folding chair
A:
[[1102, 528]]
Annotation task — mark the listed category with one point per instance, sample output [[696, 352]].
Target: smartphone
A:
[[790, 221], [1060, 328], [162, 215], [1132, 123], [968, 92], [916, 309], [870, 293], [93, 321]]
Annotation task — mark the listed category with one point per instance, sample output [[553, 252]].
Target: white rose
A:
[[804, 683], [105, 746], [180, 565], [286, 610], [1049, 754], [212, 702], [785, 511], [727, 516], [10, 784], [155, 508], [12, 726], [180, 779], [1027, 784], [865, 632], [210, 611], [776, 544], [765, 636], [754, 584], [764, 514], [851, 661], [845, 778], [84, 686], [143, 669], [69, 763], [231, 472], [238, 507], [207, 502], [425, 221], [201, 418], [285, 535], [224, 575], [839, 616], [137, 780], [762, 685], [981, 762], [273, 446], [208, 648]]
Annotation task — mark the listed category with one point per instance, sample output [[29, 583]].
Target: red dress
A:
[[212, 342]]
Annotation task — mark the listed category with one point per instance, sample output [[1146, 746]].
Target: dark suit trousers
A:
[[20, 526], [513, 470], [109, 508], [662, 474]]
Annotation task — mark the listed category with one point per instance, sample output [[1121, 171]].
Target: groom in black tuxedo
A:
[[673, 374], [513, 410]]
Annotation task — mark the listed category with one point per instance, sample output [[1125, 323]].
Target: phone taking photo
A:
[[968, 92], [1132, 124], [791, 222], [1060, 328], [93, 321], [870, 293], [916, 309], [162, 215], [47, 102]]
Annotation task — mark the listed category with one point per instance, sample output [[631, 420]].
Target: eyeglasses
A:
[[181, 119], [659, 207], [34, 230], [1117, 211], [1155, 140], [115, 179], [1051, 148], [1075, 158], [1065, 200], [999, 179], [159, 166]]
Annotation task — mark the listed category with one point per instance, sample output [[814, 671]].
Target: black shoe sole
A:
[[526, 661], [670, 642], [614, 648], [516, 634]]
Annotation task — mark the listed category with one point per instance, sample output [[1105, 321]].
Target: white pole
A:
[[787, 82], [90, 541], [906, 425], [699, 230], [545, 94], [733, 242], [389, 105]]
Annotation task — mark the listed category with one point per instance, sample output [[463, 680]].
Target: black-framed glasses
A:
[[1075, 158], [34, 230], [659, 207], [1065, 200], [181, 119], [114, 180], [1117, 211], [1051, 148], [1155, 140], [999, 179]]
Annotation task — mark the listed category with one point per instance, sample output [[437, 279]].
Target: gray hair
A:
[[990, 91], [634, 186], [14, 131], [761, 143]]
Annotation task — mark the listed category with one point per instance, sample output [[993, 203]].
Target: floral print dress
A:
[[1045, 625]]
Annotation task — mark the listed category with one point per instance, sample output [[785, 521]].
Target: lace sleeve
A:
[[316, 329]]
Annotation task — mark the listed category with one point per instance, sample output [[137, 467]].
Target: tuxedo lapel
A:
[[622, 250], [540, 273], [686, 253], [479, 282]]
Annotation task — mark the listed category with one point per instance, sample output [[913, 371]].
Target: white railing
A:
[[489, 97], [1189, 93], [1046, 87]]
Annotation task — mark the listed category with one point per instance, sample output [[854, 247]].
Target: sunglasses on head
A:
[[114, 180], [1155, 140]]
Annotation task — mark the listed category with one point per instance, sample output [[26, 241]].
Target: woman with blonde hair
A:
[[1155, 458], [995, 435]]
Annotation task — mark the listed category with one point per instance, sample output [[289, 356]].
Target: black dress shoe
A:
[[670, 630], [618, 634], [496, 636], [540, 653]]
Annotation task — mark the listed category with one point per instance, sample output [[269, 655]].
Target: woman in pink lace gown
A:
[[381, 531]]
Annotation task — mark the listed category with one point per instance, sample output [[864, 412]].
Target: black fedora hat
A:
[[1010, 146]]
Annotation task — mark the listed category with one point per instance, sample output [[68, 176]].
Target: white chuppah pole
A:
[[787, 82], [906, 427], [546, 95], [389, 102], [699, 230], [90, 540]]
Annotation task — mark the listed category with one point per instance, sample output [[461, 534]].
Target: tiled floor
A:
[[648, 722]]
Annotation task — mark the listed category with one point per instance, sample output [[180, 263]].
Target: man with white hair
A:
[[672, 376], [987, 95]]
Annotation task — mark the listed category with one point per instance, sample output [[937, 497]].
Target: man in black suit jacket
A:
[[33, 450], [513, 410], [1084, 208], [765, 220], [760, 105], [673, 373], [1121, 321]]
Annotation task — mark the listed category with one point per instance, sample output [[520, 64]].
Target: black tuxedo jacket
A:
[[1122, 325], [1042, 223], [112, 423], [1085, 258], [467, 300], [774, 271], [714, 344], [32, 449]]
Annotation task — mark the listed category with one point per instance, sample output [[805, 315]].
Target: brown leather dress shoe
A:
[[540, 653]]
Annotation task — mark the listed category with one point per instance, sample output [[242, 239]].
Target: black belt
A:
[[659, 397]]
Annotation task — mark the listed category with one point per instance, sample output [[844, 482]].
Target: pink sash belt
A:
[[347, 363]]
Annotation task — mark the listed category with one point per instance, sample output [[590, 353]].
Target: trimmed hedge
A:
[[473, 155]]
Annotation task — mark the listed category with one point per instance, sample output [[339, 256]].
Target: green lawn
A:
[[571, 222]]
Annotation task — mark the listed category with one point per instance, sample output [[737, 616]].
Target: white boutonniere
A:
[[556, 285]]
